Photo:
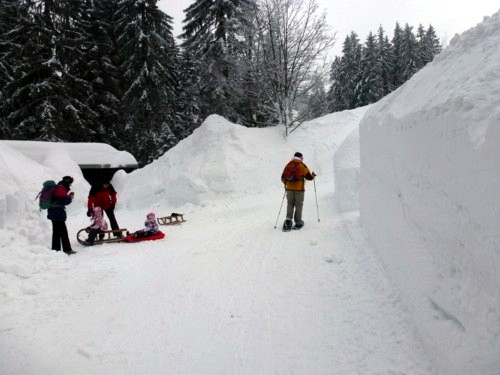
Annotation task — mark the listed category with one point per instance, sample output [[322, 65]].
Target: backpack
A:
[[45, 195], [292, 171]]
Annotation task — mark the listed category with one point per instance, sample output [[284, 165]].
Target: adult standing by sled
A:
[[56, 213], [293, 177], [104, 195]]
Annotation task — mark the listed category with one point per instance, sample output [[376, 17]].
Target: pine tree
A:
[[213, 30], [371, 85], [149, 69], [10, 11], [346, 75], [72, 45], [386, 60], [103, 74], [35, 96], [409, 54], [430, 46], [397, 42]]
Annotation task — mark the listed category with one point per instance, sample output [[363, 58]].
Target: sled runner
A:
[[157, 236], [173, 219], [104, 237]]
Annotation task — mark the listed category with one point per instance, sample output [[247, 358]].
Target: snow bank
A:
[[346, 167], [22, 179], [224, 158], [430, 198]]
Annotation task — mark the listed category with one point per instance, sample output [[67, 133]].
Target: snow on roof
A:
[[86, 155]]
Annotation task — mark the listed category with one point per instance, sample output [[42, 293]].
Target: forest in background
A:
[[112, 71]]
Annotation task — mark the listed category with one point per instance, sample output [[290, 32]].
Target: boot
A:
[[287, 225], [298, 224]]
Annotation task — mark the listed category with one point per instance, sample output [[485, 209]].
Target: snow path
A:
[[238, 303]]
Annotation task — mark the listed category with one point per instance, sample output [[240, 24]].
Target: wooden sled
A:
[[107, 236], [173, 219]]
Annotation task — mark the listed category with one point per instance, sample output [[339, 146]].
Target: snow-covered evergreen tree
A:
[[409, 54], [386, 60], [214, 37], [371, 85], [431, 46], [103, 73], [397, 42], [346, 75], [10, 12], [149, 67]]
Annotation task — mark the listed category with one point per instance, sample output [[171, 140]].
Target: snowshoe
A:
[[287, 225]]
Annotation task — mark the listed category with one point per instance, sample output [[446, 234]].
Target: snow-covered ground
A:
[[410, 286], [223, 293]]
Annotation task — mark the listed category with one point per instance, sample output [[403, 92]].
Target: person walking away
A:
[[56, 213], [293, 177], [150, 227], [97, 227], [104, 195]]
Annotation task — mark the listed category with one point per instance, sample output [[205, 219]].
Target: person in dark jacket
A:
[[104, 195], [56, 213], [295, 191]]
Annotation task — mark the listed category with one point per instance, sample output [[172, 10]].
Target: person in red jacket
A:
[[56, 213], [104, 195]]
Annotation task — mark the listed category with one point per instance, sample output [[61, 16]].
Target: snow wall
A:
[[430, 199]]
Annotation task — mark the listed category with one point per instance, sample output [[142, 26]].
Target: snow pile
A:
[[430, 198], [221, 160]]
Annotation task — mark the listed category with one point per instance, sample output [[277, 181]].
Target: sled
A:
[[157, 236], [107, 236], [173, 219]]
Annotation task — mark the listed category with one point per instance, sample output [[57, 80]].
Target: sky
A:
[[396, 270], [362, 16]]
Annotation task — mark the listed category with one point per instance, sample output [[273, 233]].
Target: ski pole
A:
[[280, 210], [316, 195]]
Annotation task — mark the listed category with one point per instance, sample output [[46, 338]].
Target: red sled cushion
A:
[[157, 236]]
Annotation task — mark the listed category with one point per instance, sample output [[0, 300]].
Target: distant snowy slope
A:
[[430, 198]]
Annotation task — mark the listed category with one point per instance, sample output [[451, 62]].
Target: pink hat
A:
[[97, 210], [151, 216]]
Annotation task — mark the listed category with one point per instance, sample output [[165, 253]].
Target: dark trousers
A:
[[110, 212], [93, 234], [60, 235]]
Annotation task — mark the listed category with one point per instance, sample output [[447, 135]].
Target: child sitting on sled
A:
[[97, 227], [150, 227]]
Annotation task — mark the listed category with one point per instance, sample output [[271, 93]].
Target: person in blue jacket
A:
[[56, 213]]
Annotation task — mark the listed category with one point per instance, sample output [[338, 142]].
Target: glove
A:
[[89, 213]]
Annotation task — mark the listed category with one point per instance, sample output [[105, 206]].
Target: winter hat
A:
[[97, 211], [298, 155], [151, 216], [67, 179]]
